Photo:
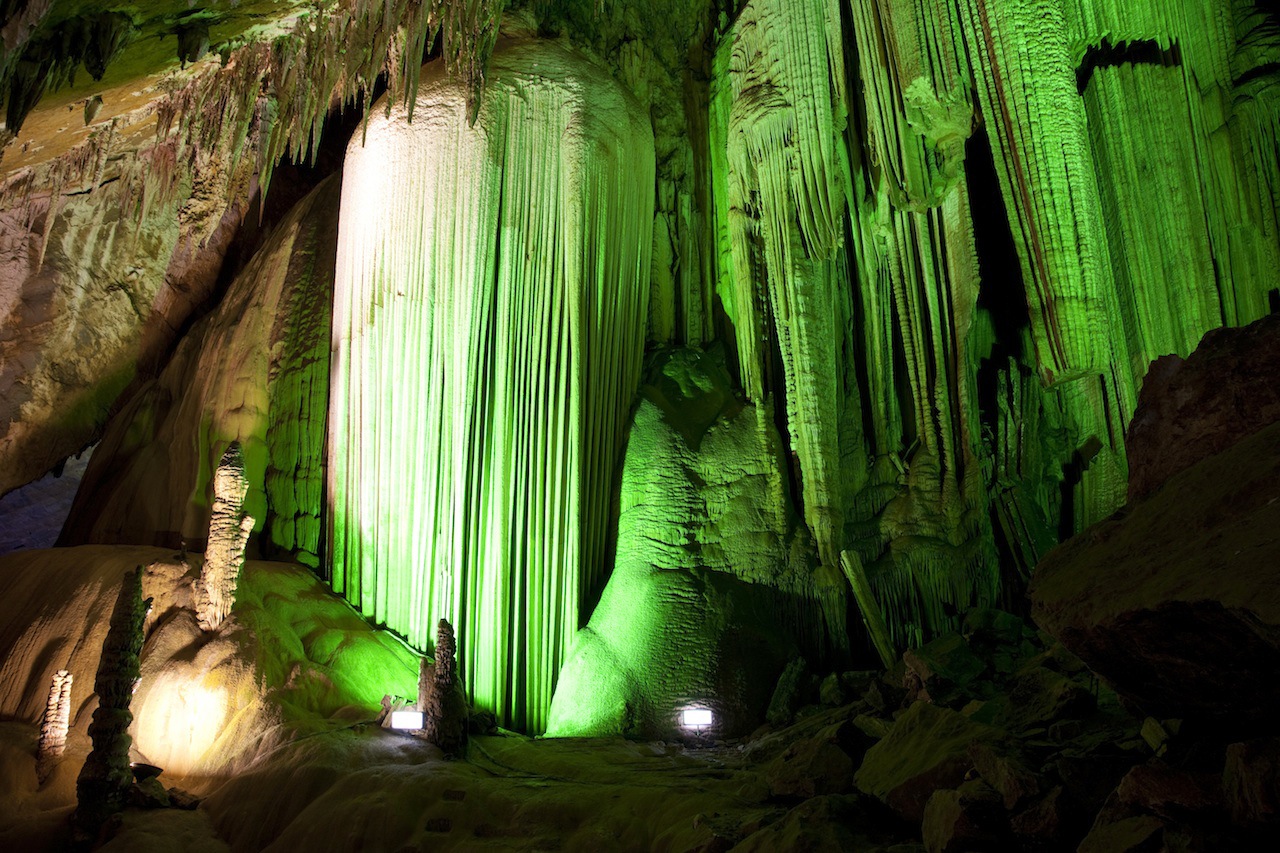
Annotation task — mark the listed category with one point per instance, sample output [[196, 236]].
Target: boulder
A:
[[927, 750], [789, 695], [965, 818], [1176, 600], [942, 670], [821, 823], [1005, 771], [1042, 821], [1191, 409], [813, 766], [1251, 781], [1157, 807]]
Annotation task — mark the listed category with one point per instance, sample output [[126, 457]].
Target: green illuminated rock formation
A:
[[713, 575], [489, 316], [938, 243]]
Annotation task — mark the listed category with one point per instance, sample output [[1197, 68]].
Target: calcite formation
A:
[[444, 707], [256, 371], [53, 728], [229, 530], [488, 328], [938, 242], [106, 776]]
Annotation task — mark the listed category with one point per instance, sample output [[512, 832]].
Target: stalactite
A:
[[229, 529], [53, 728], [105, 778], [488, 328]]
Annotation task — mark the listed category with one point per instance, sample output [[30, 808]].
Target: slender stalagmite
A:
[[106, 776], [444, 712], [229, 528], [53, 729]]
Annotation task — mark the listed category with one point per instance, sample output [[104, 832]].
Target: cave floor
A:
[[361, 787]]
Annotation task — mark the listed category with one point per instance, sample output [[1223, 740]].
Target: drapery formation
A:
[[950, 237], [489, 321]]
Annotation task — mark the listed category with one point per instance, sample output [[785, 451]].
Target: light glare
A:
[[406, 719], [696, 717]]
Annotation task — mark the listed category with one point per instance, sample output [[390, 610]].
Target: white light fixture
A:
[[696, 718], [406, 720]]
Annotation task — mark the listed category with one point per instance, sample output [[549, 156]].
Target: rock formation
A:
[[106, 776], [256, 371], [53, 727], [488, 328], [1175, 599], [711, 593], [229, 529], [444, 708]]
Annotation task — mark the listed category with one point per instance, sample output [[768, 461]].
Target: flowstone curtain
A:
[[489, 317]]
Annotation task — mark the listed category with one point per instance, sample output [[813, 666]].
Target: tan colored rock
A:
[[53, 728], [229, 530], [255, 371], [88, 293]]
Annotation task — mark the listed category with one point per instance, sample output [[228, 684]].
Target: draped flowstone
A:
[[488, 328]]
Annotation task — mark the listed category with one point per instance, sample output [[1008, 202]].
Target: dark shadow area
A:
[[1139, 52]]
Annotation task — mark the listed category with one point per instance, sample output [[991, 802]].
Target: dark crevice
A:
[[1002, 292], [1002, 295], [1138, 52]]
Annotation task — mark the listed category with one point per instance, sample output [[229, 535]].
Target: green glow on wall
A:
[[1139, 193], [489, 319]]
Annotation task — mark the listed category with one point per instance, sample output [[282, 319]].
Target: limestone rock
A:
[[789, 695], [229, 529], [927, 750], [1156, 801], [816, 824], [444, 711], [53, 728], [1251, 781], [813, 766], [1191, 409], [254, 371], [711, 569], [1006, 772], [103, 783], [965, 818], [1176, 601], [941, 670], [90, 293]]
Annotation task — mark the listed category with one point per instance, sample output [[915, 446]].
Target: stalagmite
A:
[[488, 327], [444, 708], [53, 728], [105, 778], [229, 529]]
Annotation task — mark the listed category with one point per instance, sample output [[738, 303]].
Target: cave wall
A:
[[939, 242], [256, 371]]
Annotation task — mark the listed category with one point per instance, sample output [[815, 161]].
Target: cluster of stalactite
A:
[[958, 364], [266, 100], [489, 320]]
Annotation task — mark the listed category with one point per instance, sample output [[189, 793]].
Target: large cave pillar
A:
[[488, 328]]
